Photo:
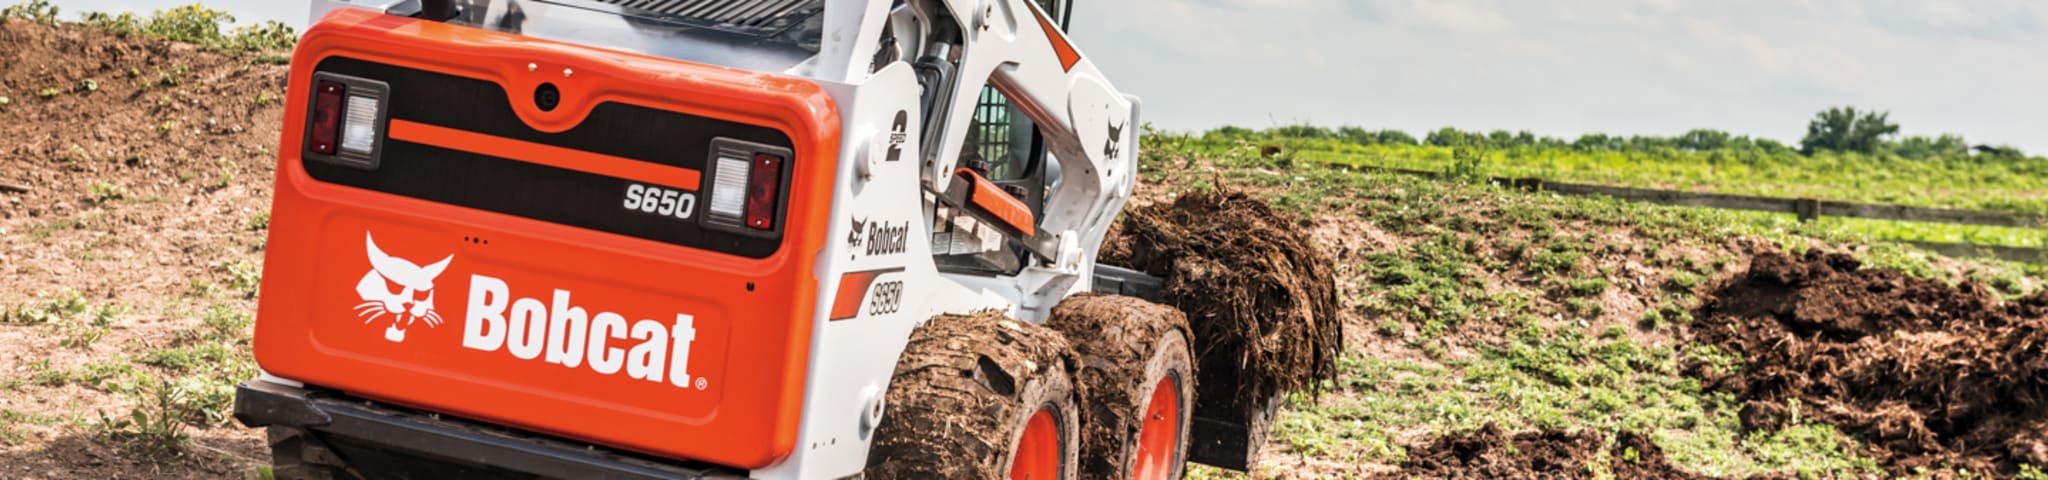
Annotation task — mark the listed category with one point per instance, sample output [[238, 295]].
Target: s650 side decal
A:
[[660, 201]]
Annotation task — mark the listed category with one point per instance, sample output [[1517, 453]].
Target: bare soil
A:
[[132, 171], [1929, 375]]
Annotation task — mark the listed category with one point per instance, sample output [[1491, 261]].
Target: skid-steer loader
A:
[[711, 239]]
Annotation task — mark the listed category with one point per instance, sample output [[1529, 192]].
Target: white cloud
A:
[[1459, 16], [1560, 67]]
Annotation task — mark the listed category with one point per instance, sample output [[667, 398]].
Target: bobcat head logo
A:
[[397, 288], [1114, 146], [853, 237]]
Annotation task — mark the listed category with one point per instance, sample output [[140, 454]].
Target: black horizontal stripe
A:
[[535, 191]]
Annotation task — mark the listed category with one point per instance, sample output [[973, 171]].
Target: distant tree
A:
[[1447, 137], [1231, 131], [1772, 146], [1301, 131], [1700, 140], [1358, 136], [1922, 148], [1845, 129], [1395, 137], [1500, 139], [1593, 142]]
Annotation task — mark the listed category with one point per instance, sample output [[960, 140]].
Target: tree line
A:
[[1839, 129]]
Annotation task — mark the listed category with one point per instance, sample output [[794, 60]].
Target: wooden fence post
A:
[[1808, 209]]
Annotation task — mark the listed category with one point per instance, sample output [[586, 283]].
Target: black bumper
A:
[[380, 441]]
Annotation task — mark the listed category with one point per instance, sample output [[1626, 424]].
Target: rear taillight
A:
[[729, 188], [359, 127], [764, 187], [347, 121], [326, 117], [745, 187]]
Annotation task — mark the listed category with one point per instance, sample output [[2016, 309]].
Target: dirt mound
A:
[[133, 180], [1928, 374], [1489, 454], [1258, 294]]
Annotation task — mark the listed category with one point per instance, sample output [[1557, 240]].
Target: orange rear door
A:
[[553, 265]]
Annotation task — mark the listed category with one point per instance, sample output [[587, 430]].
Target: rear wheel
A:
[[1140, 382], [979, 397]]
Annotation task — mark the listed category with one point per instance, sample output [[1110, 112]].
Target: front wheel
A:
[[979, 397], [1139, 379]]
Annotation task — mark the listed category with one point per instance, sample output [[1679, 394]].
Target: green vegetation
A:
[[103, 192], [60, 306], [39, 11], [197, 24], [11, 422], [1913, 171], [157, 426], [243, 278], [1843, 129], [260, 221], [1703, 160]]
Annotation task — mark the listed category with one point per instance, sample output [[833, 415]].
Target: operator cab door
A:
[[1004, 146]]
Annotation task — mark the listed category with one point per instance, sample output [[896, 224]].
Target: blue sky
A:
[[1977, 68]]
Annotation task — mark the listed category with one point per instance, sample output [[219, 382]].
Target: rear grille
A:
[[740, 13]]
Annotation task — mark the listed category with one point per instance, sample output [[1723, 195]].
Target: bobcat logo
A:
[[1114, 146], [853, 238], [398, 288]]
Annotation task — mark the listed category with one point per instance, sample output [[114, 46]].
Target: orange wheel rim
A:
[[1159, 435], [1038, 450]]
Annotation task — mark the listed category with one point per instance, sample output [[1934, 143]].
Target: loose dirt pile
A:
[[1928, 374], [1491, 454], [1258, 293]]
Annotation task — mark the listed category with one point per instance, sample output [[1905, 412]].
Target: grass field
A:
[[1959, 182]]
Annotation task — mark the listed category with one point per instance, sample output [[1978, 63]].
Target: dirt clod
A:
[[1257, 292], [1928, 374], [1490, 453]]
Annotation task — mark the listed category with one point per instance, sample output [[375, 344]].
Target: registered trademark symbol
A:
[[701, 384]]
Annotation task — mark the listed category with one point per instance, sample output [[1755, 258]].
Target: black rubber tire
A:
[[1125, 346], [962, 394]]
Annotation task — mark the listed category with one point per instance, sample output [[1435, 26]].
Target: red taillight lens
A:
[[326, 117], [764, 185]]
